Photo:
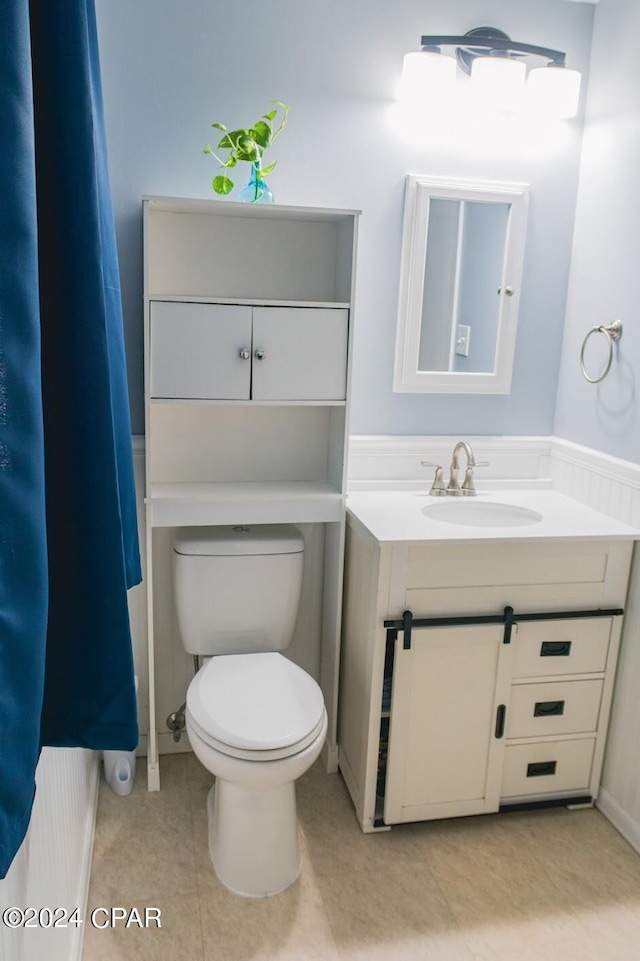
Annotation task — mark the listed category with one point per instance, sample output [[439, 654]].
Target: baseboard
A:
[[330, 758], [87, 858], [625, 825]]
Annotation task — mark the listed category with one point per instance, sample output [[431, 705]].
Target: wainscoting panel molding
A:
[[612, 485], [383, 462], [53, 866]]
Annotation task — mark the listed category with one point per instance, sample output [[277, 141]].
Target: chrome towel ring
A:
[[612, 331]]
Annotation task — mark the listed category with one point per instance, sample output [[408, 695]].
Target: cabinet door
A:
[[299, 353], [446, 744], [195, 351]]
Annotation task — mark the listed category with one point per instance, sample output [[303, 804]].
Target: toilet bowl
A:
[[254, 719], [257, 722]]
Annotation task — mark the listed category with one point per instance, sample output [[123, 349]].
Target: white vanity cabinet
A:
[[499, 692], [248, 331]]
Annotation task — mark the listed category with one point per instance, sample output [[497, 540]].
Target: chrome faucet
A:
[[453, 488]]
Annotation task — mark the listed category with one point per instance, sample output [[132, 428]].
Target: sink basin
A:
[[470, 512]]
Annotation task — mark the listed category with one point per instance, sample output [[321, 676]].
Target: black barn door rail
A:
[[508, 617]]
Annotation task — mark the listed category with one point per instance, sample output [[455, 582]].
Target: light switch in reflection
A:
[[463, 336]]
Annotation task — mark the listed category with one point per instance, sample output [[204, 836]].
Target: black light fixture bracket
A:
[[485, 41]]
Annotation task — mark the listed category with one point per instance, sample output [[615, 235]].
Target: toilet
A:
[[254, 718]]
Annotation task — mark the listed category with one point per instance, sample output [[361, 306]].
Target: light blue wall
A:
[[170, 69], [605, 274]]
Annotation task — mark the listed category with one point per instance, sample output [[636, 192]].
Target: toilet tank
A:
[[237, 589]]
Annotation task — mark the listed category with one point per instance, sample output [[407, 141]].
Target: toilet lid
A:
[[255, 702]]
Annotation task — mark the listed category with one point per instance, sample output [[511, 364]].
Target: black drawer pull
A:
[[500, 716], [548, 709], [541, 768], [555, 649]]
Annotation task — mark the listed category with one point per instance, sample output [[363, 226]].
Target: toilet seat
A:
[[258, 707]]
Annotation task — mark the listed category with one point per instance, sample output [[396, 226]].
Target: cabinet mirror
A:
[[460, 275]]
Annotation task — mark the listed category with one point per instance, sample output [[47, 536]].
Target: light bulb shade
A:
[[425, 76], [498, 82], [554, 91]]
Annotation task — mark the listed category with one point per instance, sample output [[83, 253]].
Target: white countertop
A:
[[395, 517]]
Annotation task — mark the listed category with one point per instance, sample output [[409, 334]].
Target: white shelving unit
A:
[[248, 333]]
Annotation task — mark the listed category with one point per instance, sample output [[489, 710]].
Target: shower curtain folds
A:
[[68, 535]]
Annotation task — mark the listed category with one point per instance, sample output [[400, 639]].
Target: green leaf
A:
[[207, 149], [261, 133], [271, 115], [219, 126], [227, 142], [248, 149], [267, 170], [222, 185], [236, 134]]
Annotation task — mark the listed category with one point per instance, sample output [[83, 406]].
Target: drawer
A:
[[556, 707], [544, 648], [546, 767]]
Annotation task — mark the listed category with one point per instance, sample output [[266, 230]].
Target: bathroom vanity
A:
[[248, 330], [480, 641]]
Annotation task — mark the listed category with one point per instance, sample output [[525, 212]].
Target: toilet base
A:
[[253, 838]]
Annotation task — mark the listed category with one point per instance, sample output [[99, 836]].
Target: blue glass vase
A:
[[256, 191]]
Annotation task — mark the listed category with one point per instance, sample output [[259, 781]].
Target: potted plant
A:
[[249, 144]]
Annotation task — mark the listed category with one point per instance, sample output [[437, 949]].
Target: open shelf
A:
[[239, 253], [246, 502]]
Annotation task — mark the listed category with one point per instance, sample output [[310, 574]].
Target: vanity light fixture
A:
[[497, 66]]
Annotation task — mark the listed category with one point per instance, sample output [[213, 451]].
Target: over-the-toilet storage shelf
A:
[[248, 331]]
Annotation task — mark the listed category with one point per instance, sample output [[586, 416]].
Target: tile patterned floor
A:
[[552, 885]]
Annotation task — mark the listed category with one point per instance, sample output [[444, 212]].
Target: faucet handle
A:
[[468, 487], [438, 488]]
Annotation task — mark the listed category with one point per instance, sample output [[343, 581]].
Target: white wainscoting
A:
[[52, 867], [606, 483], [612, 485], [384, 462]]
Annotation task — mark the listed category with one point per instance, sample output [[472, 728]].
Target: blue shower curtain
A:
[[68, 536]]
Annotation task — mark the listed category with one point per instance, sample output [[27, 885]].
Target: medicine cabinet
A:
[[460, 278]]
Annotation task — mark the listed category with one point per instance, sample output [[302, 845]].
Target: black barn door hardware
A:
[[408, 623]]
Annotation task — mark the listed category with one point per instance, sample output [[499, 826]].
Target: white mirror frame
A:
[[408, 378]]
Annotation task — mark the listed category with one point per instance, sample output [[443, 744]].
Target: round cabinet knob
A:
[[259, 354], [244, 353], [509, 291]]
